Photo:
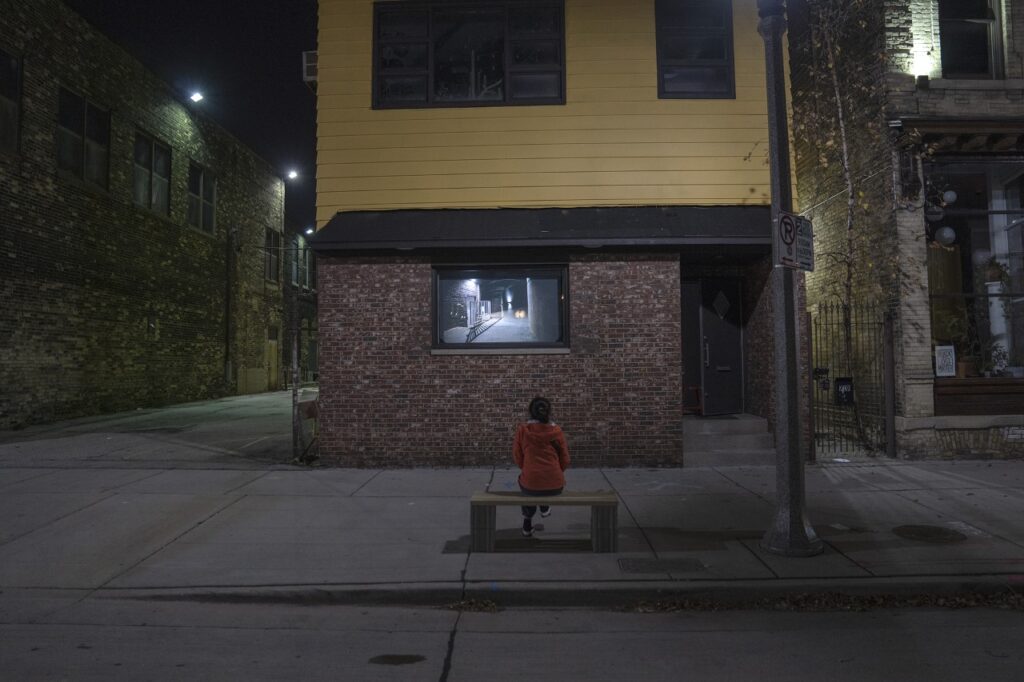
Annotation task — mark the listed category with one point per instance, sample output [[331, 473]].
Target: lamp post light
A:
[[791, 533], [196, 97], [292, 174]]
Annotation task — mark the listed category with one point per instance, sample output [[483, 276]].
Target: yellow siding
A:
[[613, 142]]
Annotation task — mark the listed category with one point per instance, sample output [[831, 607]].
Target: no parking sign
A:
[[794, 242]]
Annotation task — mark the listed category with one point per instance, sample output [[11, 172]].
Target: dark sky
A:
[[246, 58]]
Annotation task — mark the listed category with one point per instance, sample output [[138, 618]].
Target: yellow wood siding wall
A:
[[613, 142]]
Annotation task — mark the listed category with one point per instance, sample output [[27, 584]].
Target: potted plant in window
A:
[[996, 271]]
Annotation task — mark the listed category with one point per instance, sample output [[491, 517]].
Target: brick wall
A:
[[387, 401], [108, 306], [884, 248]]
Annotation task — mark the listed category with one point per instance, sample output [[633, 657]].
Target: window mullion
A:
[[506, 65], [430, 55]]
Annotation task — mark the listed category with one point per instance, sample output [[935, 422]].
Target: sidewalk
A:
[[249, 531]]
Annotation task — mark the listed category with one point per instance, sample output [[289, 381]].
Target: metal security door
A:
[[721, 323]]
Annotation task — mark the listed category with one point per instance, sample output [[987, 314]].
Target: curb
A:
[[726, 594]]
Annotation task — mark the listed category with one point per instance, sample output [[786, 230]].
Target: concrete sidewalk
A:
[[249, 531]]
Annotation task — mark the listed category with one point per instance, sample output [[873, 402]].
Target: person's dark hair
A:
[[540, 409]]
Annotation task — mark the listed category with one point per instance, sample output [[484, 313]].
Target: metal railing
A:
[[853, 379]]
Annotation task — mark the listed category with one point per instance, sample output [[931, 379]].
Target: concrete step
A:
[[727, 441], [725, 458], [732, 424]]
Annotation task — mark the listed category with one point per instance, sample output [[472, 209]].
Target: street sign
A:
[[794, 242]]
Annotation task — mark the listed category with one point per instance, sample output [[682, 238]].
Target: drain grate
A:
[[661, 566], [934, 535]]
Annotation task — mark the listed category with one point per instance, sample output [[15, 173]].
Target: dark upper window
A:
[[83, 138], [503, 307], [296, 259], [309, 271], [969, 35], [492, 52], [202, 198], [151, 176], [10, 101], [695, 58], [272, 256]]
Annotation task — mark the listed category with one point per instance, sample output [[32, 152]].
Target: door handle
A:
[[707, 353]]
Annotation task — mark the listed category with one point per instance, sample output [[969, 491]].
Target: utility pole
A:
[[296, 421], [791, 533]]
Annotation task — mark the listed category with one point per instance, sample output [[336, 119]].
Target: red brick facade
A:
[[387, 400]]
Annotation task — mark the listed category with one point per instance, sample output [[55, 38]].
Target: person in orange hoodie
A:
[[542, 455]]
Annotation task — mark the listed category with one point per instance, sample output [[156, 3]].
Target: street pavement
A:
[[195, 500], [179, 544]]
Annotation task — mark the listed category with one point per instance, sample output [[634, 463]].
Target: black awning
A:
[[362, 231]]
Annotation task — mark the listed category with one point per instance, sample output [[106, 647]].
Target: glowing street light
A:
[[309, 230], [196, 97], [292, 174]]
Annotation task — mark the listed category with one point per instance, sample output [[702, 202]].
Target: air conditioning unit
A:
[[309, 66]]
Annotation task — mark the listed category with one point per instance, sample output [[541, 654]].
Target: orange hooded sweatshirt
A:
[[542, 453]]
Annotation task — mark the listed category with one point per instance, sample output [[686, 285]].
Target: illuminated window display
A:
[[975, 220], [504, 307]]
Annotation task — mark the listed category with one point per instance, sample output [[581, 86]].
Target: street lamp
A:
[[196, 97], [292, 174]]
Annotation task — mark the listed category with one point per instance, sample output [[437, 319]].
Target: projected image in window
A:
[[502, 310]]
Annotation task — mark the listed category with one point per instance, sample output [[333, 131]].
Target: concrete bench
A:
[[604, 515]]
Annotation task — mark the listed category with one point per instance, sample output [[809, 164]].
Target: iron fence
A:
[[852, 376]]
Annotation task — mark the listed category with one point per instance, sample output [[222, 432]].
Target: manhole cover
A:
[[935, 535], [661, 566]]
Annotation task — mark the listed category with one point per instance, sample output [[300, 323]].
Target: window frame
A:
[[272, 255], [19, 80], [83, 139], [663, 32], [154, 142], [506, 271], [429, 6], [308, 262], [958, 312], [996, 63], [205, 178], [296, 264]]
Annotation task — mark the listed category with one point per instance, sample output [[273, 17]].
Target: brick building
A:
[[133, 233], [563, 198], [932, 97]]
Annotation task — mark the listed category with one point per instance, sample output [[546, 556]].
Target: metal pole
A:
[[296, 422], [812, 453], [889, 367], [791, 533]]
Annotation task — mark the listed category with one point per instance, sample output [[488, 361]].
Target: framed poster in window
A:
[[945, 361]]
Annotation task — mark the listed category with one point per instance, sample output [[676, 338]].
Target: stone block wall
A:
[[387, 400], [107, 305], [962, 437]]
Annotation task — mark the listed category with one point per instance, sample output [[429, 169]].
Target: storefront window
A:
[[975, 219], [502, 308]]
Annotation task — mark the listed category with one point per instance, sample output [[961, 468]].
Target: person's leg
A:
[[528, 513], [545, 509]]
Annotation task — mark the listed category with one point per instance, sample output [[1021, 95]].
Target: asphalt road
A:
[[238, 432], [71, 637]]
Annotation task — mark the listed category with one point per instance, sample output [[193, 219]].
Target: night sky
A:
[[245, 56]]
